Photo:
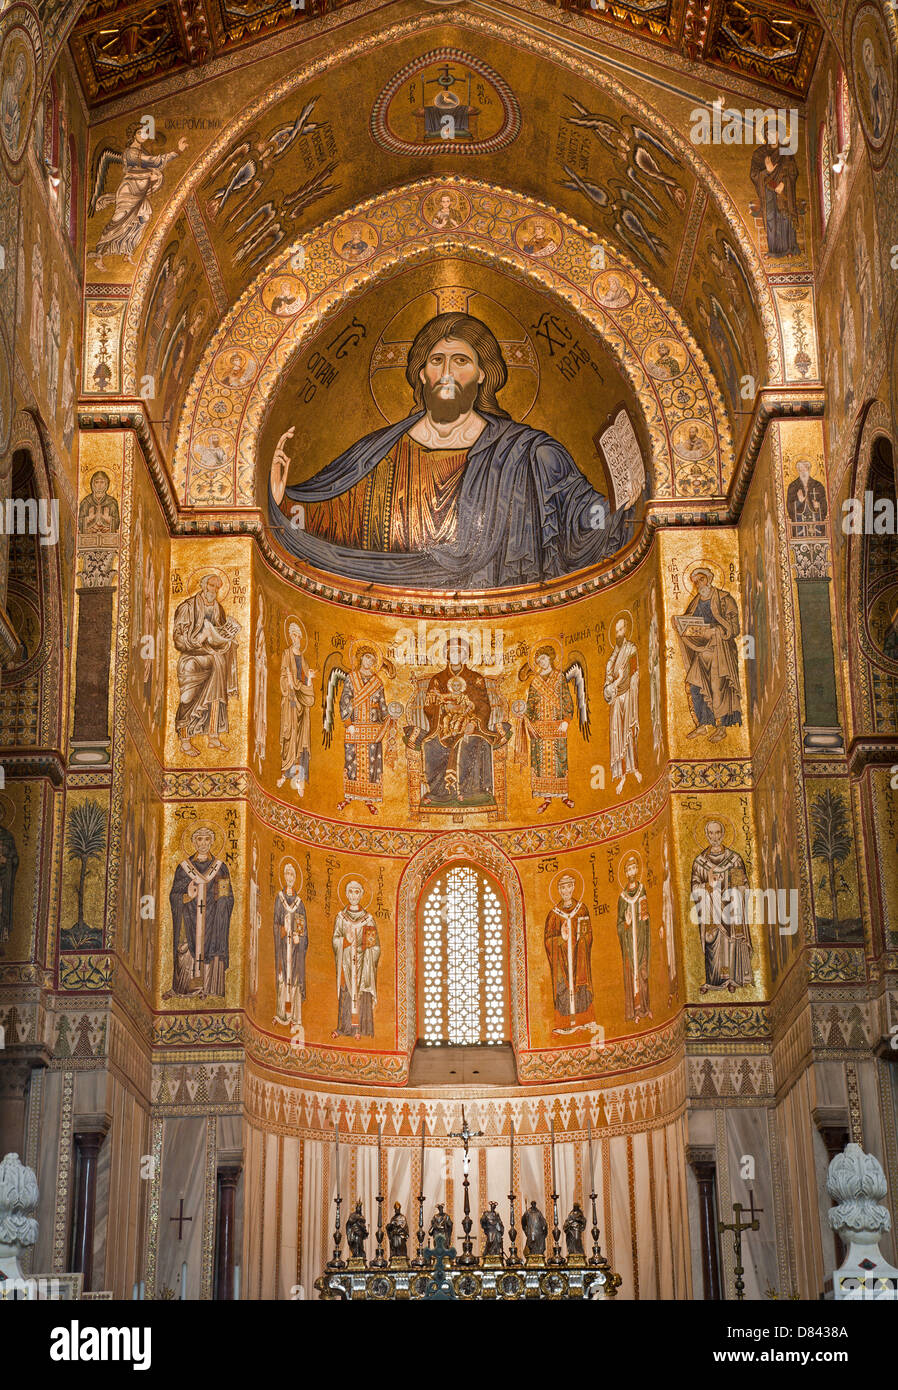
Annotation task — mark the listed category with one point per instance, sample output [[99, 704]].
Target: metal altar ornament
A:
[[439, 1271]]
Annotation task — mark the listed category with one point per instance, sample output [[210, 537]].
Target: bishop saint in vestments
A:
[[634, 935], [568, 940]]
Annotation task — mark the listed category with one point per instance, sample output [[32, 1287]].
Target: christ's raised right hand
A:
[[280, 465]]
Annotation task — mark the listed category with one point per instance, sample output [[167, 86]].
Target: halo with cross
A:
[[389, 387]]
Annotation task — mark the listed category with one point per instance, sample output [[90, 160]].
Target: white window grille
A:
[[463, 960]]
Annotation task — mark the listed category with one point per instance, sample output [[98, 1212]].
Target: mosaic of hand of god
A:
[[456, 495]]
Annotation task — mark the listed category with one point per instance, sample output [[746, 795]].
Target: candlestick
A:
[[596, 1256], [379, 1261], [337, 1262], [184, 1280], [418, 1262], [337, 1141], [555, 1258], [512, 1256], [554, 1177]]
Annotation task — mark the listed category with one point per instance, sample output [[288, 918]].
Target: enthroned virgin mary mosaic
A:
[[458, 494]]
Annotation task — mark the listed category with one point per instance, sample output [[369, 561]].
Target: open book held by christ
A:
[[457, 495]]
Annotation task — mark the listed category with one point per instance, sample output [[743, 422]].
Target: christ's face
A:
[[354, 892], [203, 841], [450, 376], [289, 877], [714, 832]]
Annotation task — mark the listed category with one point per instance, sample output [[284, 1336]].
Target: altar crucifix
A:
[[467, 1256], [737, 1227]]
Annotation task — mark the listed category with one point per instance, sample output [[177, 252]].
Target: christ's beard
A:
[[444, 409]]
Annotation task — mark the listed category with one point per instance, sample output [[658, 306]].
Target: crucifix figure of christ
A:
[[737, 1227], [467, 1256], [180, 1218]]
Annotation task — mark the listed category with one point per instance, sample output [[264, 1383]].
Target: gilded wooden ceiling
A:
[[120, 45]]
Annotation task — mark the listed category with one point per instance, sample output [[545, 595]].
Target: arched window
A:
[[843, 108], [463, 960], [825, 176]]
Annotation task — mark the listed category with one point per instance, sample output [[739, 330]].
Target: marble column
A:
[[17, 1062], [89, 1133], [702, 1161], [228, 1178], [832, 1126]]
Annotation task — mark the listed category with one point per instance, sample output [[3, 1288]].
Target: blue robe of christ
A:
[[525, 513]]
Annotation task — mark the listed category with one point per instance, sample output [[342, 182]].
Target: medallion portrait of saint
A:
[[568, 941], [206, 640], [553, 684], [297, 698], [458, 494], [356, 946], [202, 900], [368, 721]]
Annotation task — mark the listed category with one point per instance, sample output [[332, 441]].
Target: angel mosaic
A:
[[555, 688], [142, 175], [369, 721]]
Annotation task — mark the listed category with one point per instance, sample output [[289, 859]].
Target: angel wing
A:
[[575, 674], [105, 156], [526, 672], [332, 678]]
